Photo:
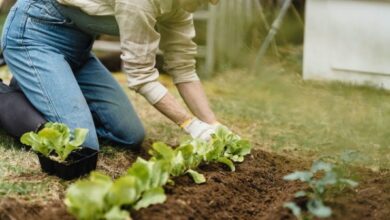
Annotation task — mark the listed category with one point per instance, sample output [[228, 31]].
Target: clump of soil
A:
[[255, 191]]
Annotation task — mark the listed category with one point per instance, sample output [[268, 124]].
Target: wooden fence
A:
[[230, 29]]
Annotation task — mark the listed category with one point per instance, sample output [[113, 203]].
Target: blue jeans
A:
[[52, 62]]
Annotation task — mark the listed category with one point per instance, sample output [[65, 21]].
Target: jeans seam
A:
[[6, 30], [101, 117], [45, 94], [35, 72], [23, 23]]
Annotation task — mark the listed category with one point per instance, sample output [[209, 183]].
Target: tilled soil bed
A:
[[255, 191]]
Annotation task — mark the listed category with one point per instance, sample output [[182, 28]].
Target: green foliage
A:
[[293, 207], [197, 177], [235, 148], [116, 213], [224, 147], [99, 197], [57, 138], [319, 178], [86, 199], [181, 160], [150, 197]]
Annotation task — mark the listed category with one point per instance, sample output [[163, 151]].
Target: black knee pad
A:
[[17, 115]]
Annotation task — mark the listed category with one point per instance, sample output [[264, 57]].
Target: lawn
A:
[[284, 114]]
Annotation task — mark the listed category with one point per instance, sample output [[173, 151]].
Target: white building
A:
[[348, 40]]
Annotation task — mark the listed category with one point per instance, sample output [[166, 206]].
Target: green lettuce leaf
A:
[[318, 209], [124, 191], [117, 214], [33, 140], [197, 177], [85, 199], [294, 208], [303, 176], [55, 137], [151, 197], [227, 162]]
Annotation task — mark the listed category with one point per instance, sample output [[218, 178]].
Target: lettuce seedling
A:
[[227, 148], [143, 183], [55, 140], [86, 199], [224, 147], [319, 178], [182, 160], [150, 176], [235, 147], [99, 197]]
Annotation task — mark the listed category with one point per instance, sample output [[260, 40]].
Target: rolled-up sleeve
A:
[[179, 49], [139, 45]]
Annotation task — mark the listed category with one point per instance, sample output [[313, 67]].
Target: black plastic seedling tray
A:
[[79, 163]]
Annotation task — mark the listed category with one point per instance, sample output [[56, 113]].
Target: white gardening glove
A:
[[199, 129]]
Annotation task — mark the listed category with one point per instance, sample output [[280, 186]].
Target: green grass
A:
[[21, 188], [20, 173], [282, 113]]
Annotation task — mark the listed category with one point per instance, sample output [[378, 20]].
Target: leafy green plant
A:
[[182, 160], [99, 197], [227, 147], [55, 138], [224, 147], [235, 148], [319, 179]]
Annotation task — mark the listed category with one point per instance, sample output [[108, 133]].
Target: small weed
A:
[[319, 179]]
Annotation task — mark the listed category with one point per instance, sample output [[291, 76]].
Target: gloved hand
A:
[[199, 129]]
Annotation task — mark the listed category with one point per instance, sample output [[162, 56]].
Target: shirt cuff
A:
[[183, 77], [153, 91]]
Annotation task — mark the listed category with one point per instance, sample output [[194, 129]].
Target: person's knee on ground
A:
[[131, 139], [126, 134]]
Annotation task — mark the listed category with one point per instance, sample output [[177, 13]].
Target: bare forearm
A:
[[169, 106], [196, 100]]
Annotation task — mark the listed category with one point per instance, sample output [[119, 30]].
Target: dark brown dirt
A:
[[255, 191], [370, 200]]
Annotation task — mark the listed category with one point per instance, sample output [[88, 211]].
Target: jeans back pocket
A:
[[45, 12]]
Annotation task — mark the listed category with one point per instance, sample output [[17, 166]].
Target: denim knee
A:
[[127, 135], [133, 138]]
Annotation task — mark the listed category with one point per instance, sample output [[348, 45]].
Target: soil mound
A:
[[255, 191]]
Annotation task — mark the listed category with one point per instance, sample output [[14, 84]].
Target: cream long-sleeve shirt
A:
[[145, 26]]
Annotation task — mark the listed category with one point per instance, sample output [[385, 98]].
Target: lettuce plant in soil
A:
[[319, 179], [182, 160], [55, 140], [225, 147], [100, 197]]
